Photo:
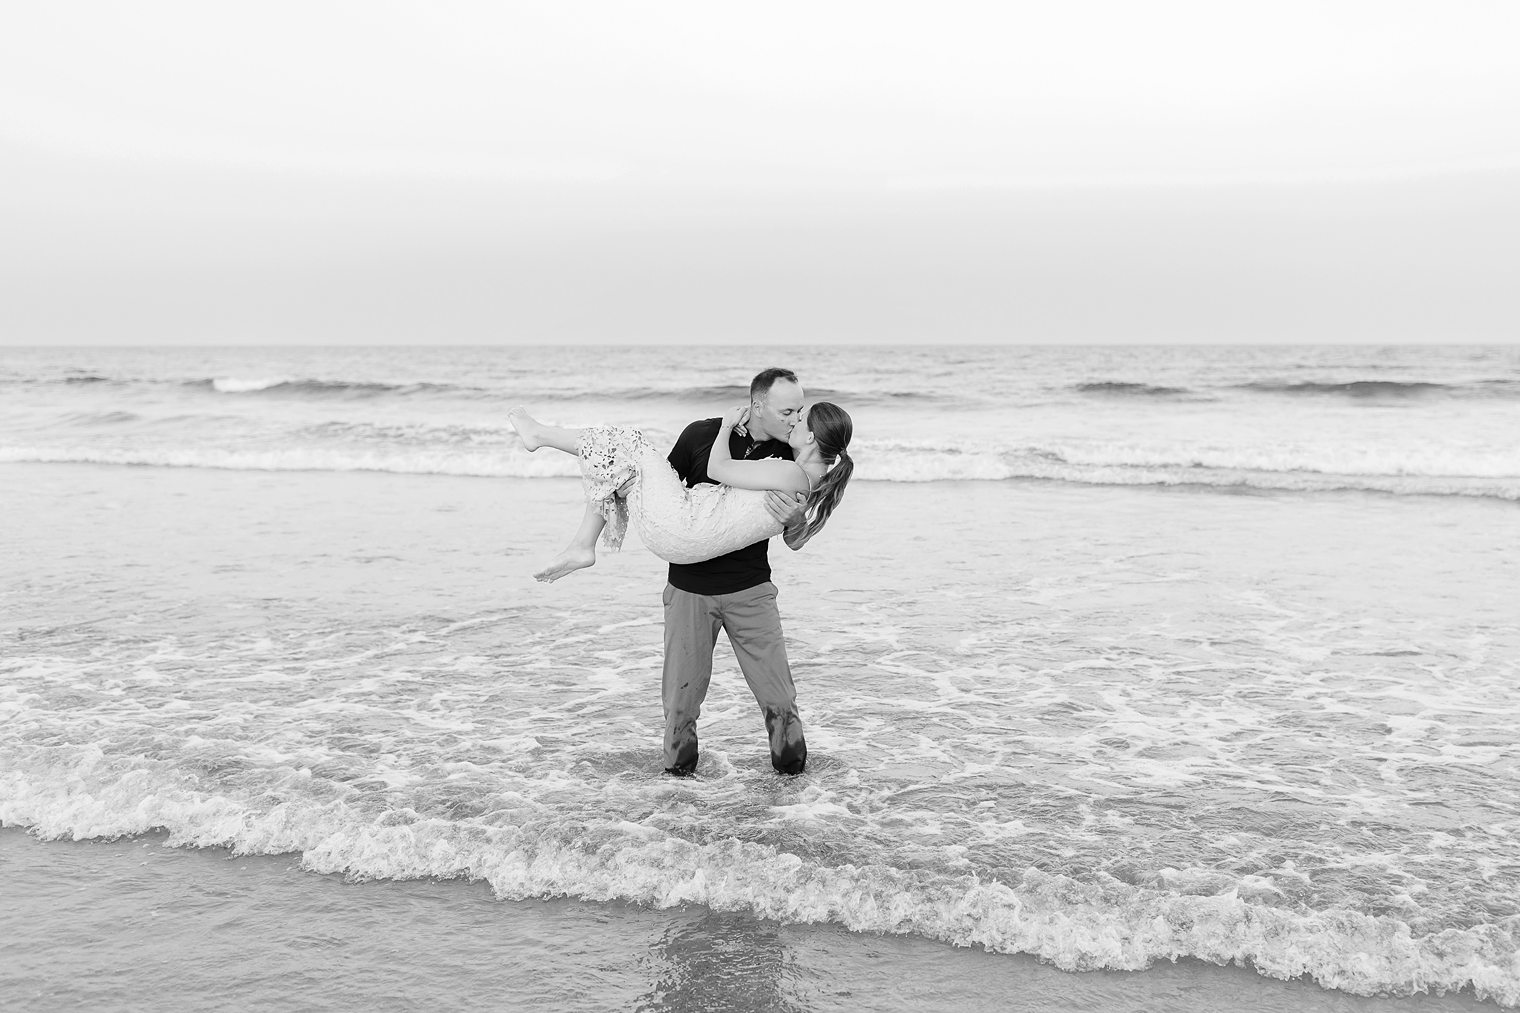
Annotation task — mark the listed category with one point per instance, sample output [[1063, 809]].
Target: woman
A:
[[623, 473]]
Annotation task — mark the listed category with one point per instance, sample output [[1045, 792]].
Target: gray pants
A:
[[753, 625]]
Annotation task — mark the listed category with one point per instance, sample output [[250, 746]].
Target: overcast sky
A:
[[321, 172]]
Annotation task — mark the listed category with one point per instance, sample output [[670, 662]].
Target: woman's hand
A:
[[735, 418]]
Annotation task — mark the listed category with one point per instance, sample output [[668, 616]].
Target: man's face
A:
[[773, 415]]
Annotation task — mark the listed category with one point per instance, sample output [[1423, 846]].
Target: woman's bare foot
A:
[[572, 559], [528, 431]]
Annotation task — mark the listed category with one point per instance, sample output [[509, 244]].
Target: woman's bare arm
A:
[[771, 473]]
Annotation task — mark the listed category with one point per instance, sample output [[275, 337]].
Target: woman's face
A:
[[802, 433]]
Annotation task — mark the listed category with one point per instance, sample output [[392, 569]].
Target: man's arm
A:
[[787, 509]]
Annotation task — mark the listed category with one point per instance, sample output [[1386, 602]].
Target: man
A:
[[734, 592]]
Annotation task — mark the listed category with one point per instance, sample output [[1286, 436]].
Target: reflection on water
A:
[[724, 961]]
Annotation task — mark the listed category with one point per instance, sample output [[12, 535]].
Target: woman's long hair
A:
[[832, 430]]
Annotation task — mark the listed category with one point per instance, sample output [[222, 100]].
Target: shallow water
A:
[[1108, 732], [1085, 719]]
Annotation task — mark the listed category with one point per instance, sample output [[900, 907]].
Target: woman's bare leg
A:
[[535, 434], [580, 553]]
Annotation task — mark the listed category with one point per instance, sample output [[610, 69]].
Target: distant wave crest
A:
[[1382, 389], [492, 453], [319, 388], [1116, 388], [532, 390], [1370, 390]]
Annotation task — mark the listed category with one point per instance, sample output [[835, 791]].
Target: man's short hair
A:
[[764, 380]]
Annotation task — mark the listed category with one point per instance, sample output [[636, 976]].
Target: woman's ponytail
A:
[[832, 428]]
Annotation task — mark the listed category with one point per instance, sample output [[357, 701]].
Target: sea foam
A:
[[81, 793], [483, 455]]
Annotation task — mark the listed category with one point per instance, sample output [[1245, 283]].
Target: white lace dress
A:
[[624, 475]]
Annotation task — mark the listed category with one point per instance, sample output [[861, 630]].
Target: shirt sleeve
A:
[[680, 454], [689, 452]]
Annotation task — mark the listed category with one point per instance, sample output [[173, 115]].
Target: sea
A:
[[1134, 678]]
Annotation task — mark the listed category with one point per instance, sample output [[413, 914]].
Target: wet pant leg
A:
[[692, 622], [753, 624]]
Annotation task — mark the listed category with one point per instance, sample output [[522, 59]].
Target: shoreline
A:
[[102, 921]]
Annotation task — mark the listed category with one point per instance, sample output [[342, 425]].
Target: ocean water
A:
[[1134, 678]]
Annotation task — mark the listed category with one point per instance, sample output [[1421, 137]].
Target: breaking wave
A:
[[527, 852]]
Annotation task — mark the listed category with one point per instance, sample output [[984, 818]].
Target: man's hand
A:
[[786, 508]]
